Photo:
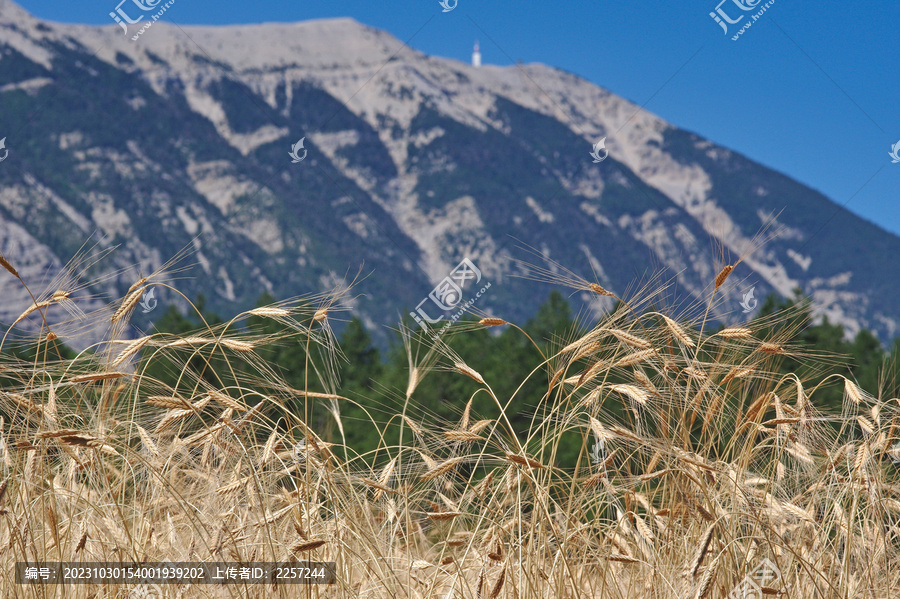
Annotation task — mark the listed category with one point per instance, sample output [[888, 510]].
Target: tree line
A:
[[374, 381]]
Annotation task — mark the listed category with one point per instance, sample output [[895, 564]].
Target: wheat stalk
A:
[[79, 439], [464, 436], [735, 333], [492, 322], [631, 391], [381, 488], [678, 332], [227, 401], [441, 516], [318, 395], [192, 340], [202, 434], [469, 372], [586, 350], [278, 515], [479, 426], [623, 559], [777, 421], [524, 461], [441, 469], [702, 548], [413, 381], [232, 487], [628, 338], [68, 432], [100, 376], [600, 290], [269, 312], [5, 264], [635, 358], [588, 374], [706, 581], [128, 304], [738, 372], [723, 274], [653, 475], [238, 346], [131, 349], [498, 586], [641, 377], [136, 284], [24, 402], [81, 542], [599, 430], [307, 545], [167, 401], [32, 308], [412, 425], [173, 416], [852, 391], [148, 442], [864, 424]]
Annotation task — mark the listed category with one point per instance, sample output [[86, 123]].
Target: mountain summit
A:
[[413, 163]]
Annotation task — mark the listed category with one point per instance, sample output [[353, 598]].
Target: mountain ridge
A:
[[397, 143]]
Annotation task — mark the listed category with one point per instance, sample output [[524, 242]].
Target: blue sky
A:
[[811, 91]]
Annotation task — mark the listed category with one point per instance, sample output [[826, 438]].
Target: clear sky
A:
[[810, 89]]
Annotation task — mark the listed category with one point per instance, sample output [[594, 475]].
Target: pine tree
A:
[[363, 358]]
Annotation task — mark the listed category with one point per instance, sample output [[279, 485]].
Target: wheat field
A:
[[699, 465]]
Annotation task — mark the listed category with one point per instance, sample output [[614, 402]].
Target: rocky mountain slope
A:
[[413, 163]]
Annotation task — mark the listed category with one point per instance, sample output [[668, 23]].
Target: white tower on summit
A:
[[476, 56]]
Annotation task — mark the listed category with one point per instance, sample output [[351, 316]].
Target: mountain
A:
[[412, 163]]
